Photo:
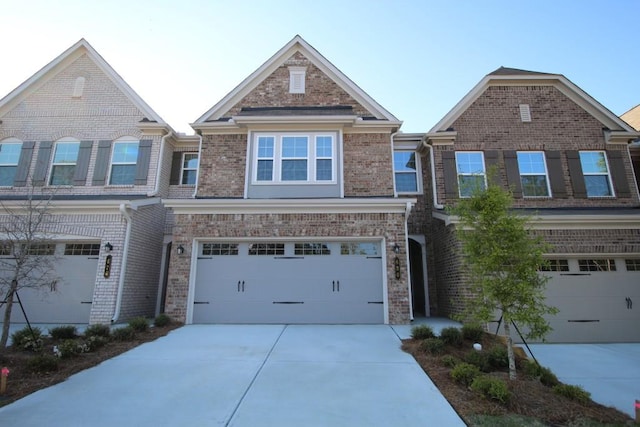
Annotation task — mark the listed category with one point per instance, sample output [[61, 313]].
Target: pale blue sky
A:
[[416, 58]]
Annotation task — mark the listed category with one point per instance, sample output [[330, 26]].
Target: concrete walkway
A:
[[247, 375]]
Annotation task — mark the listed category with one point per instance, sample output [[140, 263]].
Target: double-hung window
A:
[[471, 172], [405, 167], [9, 157], [533, 174], [294, 158], [123, 162], [63, 166], [596, 173], [189, 168]]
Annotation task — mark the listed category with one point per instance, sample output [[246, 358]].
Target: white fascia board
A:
[[241, 120], [288, 206], [61, 207], [568, 222]]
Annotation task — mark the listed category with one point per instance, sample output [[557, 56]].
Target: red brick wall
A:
[[368, 165], [223, 166]]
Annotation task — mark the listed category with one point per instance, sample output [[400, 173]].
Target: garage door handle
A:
[[336, 286], [243, 286], [629, 303], [240, 285]]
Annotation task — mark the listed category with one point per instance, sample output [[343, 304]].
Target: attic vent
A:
[[297, 79], [78, 88], [525, 113]]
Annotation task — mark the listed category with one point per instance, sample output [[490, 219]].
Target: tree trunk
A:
[[512, 358], [6, 321]]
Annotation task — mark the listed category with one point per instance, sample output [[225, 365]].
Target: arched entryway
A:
[[418, 270]]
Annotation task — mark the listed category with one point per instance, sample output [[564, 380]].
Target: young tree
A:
[[503, 260], [25, 245]]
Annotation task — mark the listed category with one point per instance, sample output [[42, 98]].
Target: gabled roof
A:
[[632, 117], [297, 44], [514, 77], [82, 47]]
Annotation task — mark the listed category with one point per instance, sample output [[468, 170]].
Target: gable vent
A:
[[297, 79], [525, 113], [78, 88]]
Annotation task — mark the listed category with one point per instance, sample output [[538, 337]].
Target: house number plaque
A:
[[396, 266], [107, 267]]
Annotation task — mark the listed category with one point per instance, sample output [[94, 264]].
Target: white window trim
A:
[[608, 174], [276, 177], [546, 174], [418, 172], [124, 139], [65, 140], [183, 169], [11, 141], [458, 173]]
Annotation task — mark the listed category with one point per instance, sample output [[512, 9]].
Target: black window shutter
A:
[[492, 160], [102, 163], [176, 167], [556, 174], [618, 173], [513, 172], [142, 165], [82, 164], [450, 174], [42, 163], [22, 171], [577, 178]]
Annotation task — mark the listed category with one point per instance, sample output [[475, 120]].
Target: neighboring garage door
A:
[[290, 282], [598, 299], [67, 300]]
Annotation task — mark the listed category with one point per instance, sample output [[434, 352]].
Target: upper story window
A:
[[123, 162], [189, 168], [533, 174], [63, 164], [596, 173], [294, 158], [9, 157], [405, 167], [471, 172]]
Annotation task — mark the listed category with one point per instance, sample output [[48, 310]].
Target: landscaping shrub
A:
[[544, 375], [479, 359], [126, 333], [464, 373], [25, 339], [139, 324], [70, 348], [94, 342], [98, 330], [422, 332], [432, 345], [451, 336], [572, 392], [472, 332], [63, 332], [450, 361], [161, 320], [42, 363], [491, 388], [498, 357]]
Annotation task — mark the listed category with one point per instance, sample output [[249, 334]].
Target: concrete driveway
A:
[[247, 375], [610, 372]]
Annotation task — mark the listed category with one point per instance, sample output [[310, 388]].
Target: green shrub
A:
[[451, 336], [479, 359], [66, 332], [139, 324], [432, 345], [450, 361], [544, 375], [27, 339], [42, 363], [422, 332], [70, 348], [491, 388], [498, 357], [472, 332], [572, 392], [95, 342], [126, 333], [161, 320], [98, 330], [464, 373]]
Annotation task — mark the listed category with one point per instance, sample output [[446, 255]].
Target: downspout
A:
[[434, 187], [156, 190], [395, 192], [195, 189], [125, 252]]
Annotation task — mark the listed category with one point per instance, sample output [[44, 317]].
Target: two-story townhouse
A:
[[566, 159], [293, 216], [76, 135]]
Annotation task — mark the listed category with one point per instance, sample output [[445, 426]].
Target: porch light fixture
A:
[[396, 248], [180, 249], [108, 247]]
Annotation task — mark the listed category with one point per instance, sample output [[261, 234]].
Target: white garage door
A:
[[598, 299], [292, 282], [67, 300]]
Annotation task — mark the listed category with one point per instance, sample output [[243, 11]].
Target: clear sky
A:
[[415, 58]]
